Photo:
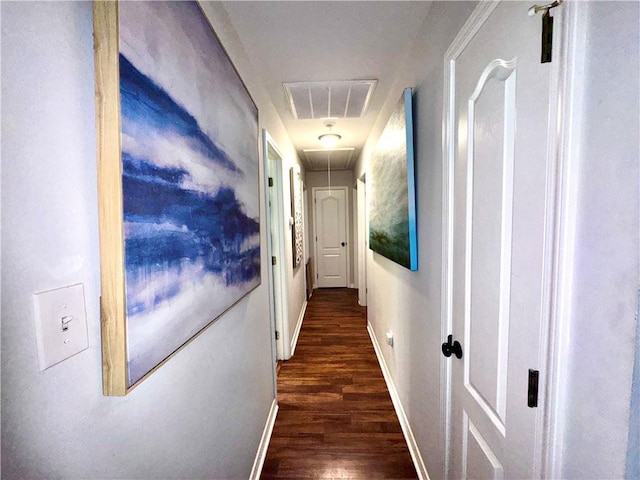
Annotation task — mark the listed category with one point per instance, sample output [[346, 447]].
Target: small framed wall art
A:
[[297, 229]]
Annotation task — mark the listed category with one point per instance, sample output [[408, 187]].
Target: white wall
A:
[[405, 302], [296, 277], [633, 447], [200, 415], [604, 166]]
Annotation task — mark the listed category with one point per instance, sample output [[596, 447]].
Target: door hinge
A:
[[546, 48], [277, 335], [547, 29], [270, 182], [274, 261], [532, 393]]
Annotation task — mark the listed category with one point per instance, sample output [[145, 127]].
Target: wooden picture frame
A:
[[179, 209]]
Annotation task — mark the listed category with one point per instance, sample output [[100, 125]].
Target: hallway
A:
[[336, 418], [528, 242]]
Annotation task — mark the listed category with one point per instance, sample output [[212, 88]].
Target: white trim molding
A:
[[296, 333], [278, 293], [418, 463], [566, 118], [261, 454]]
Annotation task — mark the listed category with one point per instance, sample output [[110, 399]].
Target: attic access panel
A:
[[335, 99], [318, 159]]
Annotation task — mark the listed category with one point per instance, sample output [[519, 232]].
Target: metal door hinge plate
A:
[[532, 394]]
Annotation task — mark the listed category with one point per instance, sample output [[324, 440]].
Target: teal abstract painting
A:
[[391, 183]]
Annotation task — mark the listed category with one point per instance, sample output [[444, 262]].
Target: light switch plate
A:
[[61, 324]]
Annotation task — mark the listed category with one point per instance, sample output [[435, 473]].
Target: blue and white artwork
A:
[[392, 203], [189, 177]]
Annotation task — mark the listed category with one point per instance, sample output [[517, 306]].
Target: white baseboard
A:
[[395, 398], [258, 463], [294, 339], [352, 285]]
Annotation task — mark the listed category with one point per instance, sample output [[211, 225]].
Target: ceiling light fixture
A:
[[329, 139]]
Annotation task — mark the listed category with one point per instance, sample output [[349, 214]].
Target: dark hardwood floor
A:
[[336, 419]]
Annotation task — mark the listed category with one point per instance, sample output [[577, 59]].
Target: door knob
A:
[[343, 244], [451, 347]]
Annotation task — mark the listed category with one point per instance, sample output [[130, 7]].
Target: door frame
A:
[[559, 230], [277, 277], [363, 239], [315, 230]]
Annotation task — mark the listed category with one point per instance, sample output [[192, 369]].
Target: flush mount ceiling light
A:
[[329, 139]]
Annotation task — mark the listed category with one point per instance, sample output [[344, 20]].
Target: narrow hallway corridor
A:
[[336, 418]]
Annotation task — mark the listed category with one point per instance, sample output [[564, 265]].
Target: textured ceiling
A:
[[318, 41]]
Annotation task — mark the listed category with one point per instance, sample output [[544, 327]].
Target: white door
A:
[[331, 237], [499, 122]]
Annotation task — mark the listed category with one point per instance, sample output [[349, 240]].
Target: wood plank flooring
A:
[[336, 419]]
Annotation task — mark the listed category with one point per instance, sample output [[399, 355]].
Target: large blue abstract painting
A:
[[391, 180], [189, 136]]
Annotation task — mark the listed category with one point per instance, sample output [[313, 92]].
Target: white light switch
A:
[[61, 324]]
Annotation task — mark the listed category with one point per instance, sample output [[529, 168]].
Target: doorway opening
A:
[[363, 239], [276, 246]]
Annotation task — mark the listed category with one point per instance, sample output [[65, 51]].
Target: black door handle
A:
[[451, 347], [343, 244]]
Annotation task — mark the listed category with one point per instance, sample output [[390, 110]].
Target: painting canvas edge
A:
[[411, 179]]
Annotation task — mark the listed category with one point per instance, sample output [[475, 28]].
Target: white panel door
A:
[[499, 120], [331, 237]]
